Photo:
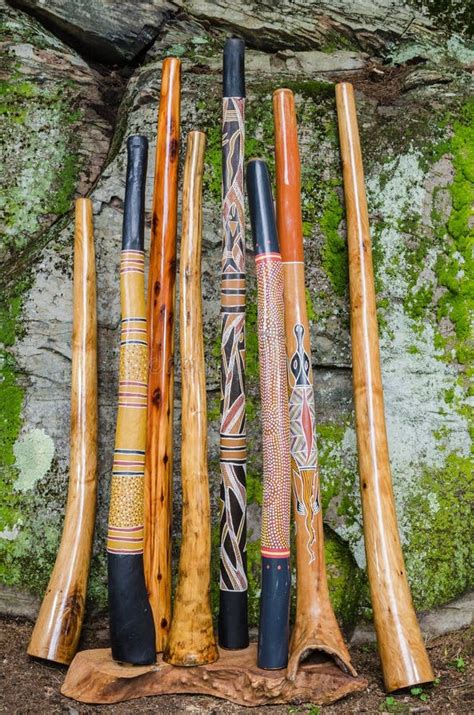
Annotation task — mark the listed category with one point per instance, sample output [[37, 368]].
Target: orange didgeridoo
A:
[[402, 651], [315, 627], [161, 306], [58, 627]]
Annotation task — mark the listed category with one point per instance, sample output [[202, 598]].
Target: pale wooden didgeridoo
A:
[[161, 308], [316, 627], [58, 627], [191, 638], [402, 651]]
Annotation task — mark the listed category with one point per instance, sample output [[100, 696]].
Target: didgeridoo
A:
[[191, 638], [58, 627], [275, 539], [402, 651], [132, 632], [161, 307], [233, 619], [315, 627]]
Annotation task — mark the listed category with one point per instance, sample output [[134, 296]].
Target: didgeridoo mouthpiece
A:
[[234, 71]]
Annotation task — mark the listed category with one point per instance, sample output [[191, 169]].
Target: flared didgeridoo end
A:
[[318, 639]]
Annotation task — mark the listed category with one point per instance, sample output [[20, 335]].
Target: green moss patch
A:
[[438, 553], [455, 265], [40, 159]]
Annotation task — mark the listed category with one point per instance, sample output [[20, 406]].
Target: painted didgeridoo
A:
[[316, 627], [233, 618], [161, 307], [191, 638], [58, 627], [132, 632], [275, 539], [402, 651]]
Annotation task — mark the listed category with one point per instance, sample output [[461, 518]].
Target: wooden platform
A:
[[94, 677]]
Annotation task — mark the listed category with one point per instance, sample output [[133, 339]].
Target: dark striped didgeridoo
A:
[[191, 637], [402, 651], [132, 632], [160, 313], [58, 627], [275, 539], [233, 619], [316, 627]]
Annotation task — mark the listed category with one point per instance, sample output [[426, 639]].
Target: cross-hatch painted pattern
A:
[[274, 399], [233, 450], [303, 440], [125, 532]]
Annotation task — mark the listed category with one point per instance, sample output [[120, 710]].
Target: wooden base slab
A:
[[94, 677]]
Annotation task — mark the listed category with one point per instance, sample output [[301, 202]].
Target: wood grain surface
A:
[[95, 678], [160, 314], [191, 638], [58, 627], [402, 651]]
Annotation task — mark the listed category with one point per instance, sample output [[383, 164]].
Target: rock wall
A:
[[66, 122]]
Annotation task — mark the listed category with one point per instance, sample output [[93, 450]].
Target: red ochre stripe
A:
[[124, 529], [275, 553]]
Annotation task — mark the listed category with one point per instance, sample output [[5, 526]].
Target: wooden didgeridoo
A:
[[191, 638], [132, 632], [58, 627], [275, 539], [233, 602], [402, 651], [161, 307], [316, 627]]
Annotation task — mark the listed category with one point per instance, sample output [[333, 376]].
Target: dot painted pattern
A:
[[126, 510], [275, 541]]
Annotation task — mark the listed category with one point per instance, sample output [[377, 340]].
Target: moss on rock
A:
[[438, 552]]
